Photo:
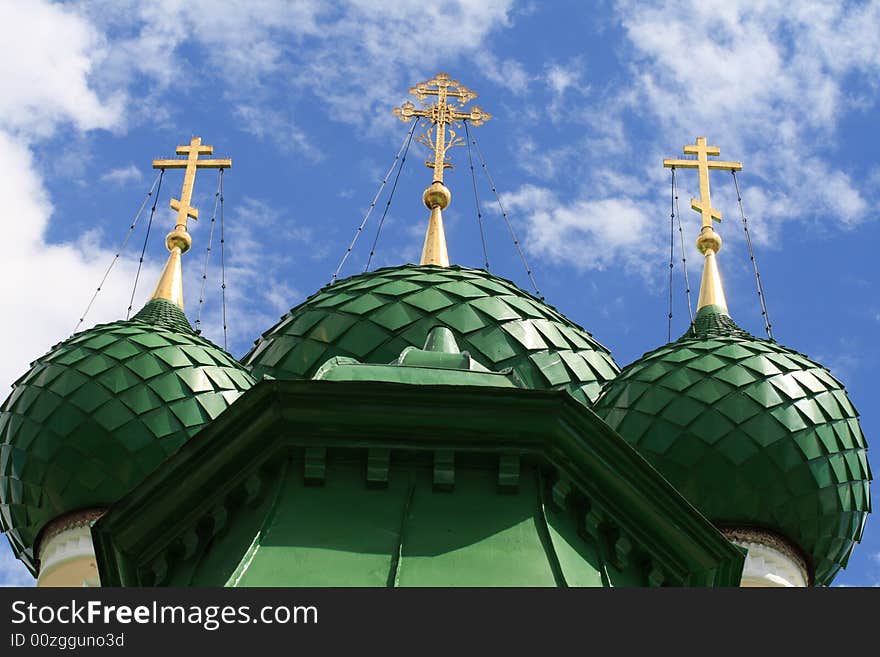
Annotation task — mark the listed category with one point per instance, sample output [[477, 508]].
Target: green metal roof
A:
[[439, 363], [100, 411], [352, 483], [752, 434], [374, 316]]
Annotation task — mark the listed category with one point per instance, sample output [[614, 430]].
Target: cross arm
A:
[[464, 95], [695, 164], [453, 90], [170, 164], [681, 164], [190, 211], [407, 111], [476, 116], [694, 149], [202, 150], [727, 166], [214, 164], [201, 164]]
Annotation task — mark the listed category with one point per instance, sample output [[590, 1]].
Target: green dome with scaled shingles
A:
[[372, 317], [751, 433], [98, 413]]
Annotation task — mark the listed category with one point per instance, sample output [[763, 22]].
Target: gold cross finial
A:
[[191, 163], [702, 164], [708, 242], [444, 114], [178, 241], [447, 111]]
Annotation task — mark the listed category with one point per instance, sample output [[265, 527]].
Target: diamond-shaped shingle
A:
[[499, 324], [101, 410], [777, 444]]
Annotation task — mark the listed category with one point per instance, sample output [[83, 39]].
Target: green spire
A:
[[714, 320], [164, 314]]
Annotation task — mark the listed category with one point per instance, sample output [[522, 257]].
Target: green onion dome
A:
[[98, 413], [374, 316], [751, 433]]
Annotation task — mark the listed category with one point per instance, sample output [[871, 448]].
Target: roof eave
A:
[[551, 424]]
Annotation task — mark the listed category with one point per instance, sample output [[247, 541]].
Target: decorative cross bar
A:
[[191, 163], [702, 164], [441, 115]]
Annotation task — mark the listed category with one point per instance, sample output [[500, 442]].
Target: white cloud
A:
[[540, 161], [92, 66], [508, 73], [562, 80], [583, 233], [47, 54], [255, 296], [382, 41], [767, 81], [123, 175], [269, 124], [62, 276], [45, 83], [81, 71], [148, 37]]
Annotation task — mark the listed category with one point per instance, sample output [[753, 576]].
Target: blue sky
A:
[[587, 100]]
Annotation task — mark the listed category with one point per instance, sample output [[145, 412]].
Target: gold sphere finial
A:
[[708, 240], [179, 241], [178, 238], [437, 196], [441, 120]]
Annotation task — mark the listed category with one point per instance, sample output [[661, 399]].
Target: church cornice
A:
[[622, 500]]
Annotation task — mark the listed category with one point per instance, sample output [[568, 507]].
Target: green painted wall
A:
[[347, 533]]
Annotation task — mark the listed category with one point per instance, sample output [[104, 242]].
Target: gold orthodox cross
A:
[[441, 115], [702, 164], [191, 163]]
